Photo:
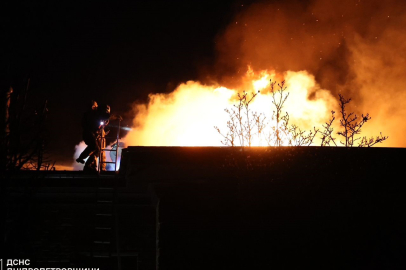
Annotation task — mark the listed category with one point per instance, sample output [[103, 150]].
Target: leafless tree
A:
[[24, 138], [231, 136], [326, 134], [243, 124], [352, 124], [260, 124], [282, 131], [365, 142], [279, 97], [299, 137]]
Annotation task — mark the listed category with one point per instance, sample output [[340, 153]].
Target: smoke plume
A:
[[353, 47], [320, 47]]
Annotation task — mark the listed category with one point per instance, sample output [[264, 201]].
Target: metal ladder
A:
[[106, 239], [103, 148]]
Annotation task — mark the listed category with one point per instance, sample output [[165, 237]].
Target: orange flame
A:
[[186, 116]]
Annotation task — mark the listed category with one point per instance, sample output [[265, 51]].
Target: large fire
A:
[[187, 116], [321, 48]]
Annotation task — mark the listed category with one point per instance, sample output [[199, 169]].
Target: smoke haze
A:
[[353, 47], [320, 48]]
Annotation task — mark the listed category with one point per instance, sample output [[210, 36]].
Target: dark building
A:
[[215, 208]]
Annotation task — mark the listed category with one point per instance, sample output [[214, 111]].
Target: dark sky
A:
[[112, 52]]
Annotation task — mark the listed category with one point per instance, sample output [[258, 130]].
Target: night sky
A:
[[112, 52]]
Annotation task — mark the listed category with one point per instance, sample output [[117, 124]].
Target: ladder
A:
[[102, 162], [106, 239]]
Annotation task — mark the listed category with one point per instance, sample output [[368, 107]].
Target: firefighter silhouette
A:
[[93, 123]]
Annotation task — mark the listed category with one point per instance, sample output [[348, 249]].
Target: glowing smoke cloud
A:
[[353, 47]]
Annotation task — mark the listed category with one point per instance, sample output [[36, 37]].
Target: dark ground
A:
[[262, 208]]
